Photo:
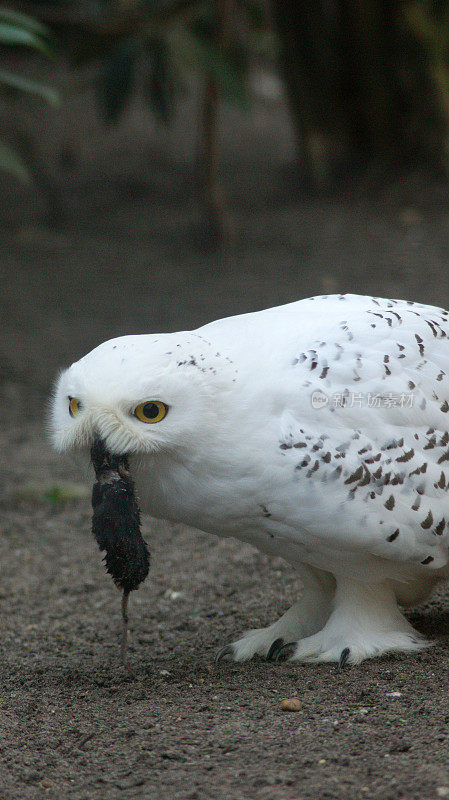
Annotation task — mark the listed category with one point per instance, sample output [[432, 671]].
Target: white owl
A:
[[316, 431]]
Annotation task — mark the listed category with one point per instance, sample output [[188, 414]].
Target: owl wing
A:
[[366, 430]]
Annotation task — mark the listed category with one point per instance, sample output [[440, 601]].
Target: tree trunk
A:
[[218, 224], [359, 85]]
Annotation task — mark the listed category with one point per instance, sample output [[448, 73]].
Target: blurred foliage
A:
[[20, 30], [44, 492], [163, 40], [429, 22], [360, 83]]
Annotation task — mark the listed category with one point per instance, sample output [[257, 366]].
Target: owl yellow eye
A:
[[152, 411], [74, 406]]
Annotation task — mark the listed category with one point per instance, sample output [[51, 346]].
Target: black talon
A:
[[228, 650], [275, 647], [344, 655], [283, 654]]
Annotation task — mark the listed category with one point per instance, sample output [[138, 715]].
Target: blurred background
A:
[[167, 162]]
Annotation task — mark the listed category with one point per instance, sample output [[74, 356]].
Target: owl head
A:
[[142, 394]]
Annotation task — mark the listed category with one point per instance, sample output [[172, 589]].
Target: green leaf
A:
[[11, 162], [116, 81], [12, 35], [18, 83], [24, 21]]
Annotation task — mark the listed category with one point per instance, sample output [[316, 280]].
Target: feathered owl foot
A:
[[284, 651], [265, 642], [302, 619], [257, 642], [324, 647], [365, 622]]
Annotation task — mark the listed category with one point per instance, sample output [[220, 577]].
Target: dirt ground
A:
[[126, 258]]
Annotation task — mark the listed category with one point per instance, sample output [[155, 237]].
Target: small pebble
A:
[[172, 595], [292, 704]]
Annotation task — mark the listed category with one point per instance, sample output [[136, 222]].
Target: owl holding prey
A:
[[316, 431]]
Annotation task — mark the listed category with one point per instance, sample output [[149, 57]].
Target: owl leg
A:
[[305, 617], [366, 621]]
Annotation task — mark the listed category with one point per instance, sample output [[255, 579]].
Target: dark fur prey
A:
[[116, 519]]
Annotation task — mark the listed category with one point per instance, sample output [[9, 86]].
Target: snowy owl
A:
[[316, 431]]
